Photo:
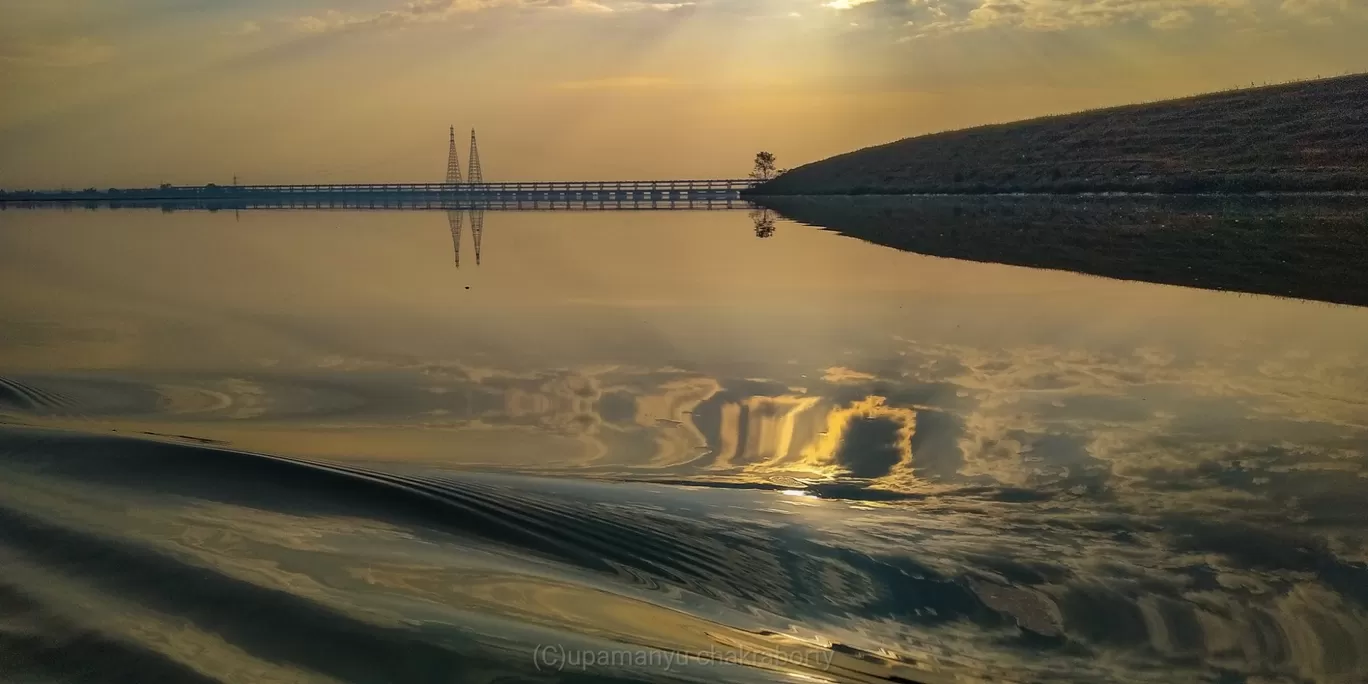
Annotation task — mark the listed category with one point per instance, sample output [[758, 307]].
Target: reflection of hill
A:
[[1311, 248]]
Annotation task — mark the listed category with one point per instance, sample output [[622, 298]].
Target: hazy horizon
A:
[[139, 92]]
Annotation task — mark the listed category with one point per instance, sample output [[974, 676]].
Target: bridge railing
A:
[[702, 185]]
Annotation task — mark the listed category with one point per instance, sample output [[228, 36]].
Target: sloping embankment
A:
[[1308, 136]]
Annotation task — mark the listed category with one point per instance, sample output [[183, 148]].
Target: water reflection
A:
[[764, 222], [671, 436], [1295, 246], [454, 221]]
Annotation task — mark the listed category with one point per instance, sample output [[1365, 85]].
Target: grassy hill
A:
[[1307, 136]]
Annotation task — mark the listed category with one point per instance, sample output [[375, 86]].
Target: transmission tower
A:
[[476, 175], [453, 163], [477, 230], [454, 220]]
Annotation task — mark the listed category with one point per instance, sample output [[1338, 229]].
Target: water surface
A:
[[307, 446]]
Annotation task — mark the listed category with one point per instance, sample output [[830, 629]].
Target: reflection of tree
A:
[[764, 222]]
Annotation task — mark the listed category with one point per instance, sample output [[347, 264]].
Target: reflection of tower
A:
[[453, 163], [454, 219], [476, 174], [477, 230]]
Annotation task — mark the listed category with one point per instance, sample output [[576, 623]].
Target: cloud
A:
[[1322, 12], [415, 11], [1313, 6], [937, 17], [657, 6], [246, 28], [845, 4], [617, 83], [76, 52], [1173, 20], [587, 6], [433, 11]]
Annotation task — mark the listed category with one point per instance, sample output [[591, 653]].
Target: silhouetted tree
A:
[[764, 167], [764, 222]]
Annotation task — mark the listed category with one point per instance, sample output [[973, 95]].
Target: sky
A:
[[127, 93]]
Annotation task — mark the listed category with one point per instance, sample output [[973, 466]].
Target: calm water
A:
[[306, 446]]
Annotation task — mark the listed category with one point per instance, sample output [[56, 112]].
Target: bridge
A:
[[455, 192], [511, 192], [523, 194], [543, 190]]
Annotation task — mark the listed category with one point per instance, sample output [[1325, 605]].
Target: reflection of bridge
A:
[[476, 231]]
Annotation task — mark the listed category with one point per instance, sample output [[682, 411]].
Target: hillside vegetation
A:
[[1308, 136]]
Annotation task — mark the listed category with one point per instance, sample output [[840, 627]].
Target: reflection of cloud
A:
[[864, 437], [871, 446], [761, 434], [1173, 508], [838, 374], [1238, 425], [666, 413]]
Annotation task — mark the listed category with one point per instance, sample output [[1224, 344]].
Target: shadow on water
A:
[[1302, 247]]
